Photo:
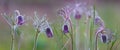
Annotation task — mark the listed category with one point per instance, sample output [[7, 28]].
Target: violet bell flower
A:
[[49, 32], [77, 15], [79, 9], [104, 38], [65, 28], [19, 18]]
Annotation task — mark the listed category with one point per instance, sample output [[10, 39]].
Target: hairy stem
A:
[[12, 39], [96, 41], [35, 40]]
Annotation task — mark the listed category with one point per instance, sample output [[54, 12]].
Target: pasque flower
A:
[[14, 22], [78, 10], [49, 32], [104, 38], [100, 23], [106, 35], [65, 28], [41, 24], [20, 20], [65, 13], [77, 15]]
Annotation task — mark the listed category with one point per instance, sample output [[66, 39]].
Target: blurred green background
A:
[[109, 10]]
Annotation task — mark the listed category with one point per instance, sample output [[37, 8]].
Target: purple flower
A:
[[49, 32], [103, 38], [65, 29], [77, 15], [79, 9], [20, 20]]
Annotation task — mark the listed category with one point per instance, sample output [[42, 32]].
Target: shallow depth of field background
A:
[[108, 10]]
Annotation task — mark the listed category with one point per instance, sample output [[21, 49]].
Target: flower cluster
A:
[[77, 11]]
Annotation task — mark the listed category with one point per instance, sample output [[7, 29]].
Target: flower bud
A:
[[65, 29], [20, 20], [104, 38], [49, 32]]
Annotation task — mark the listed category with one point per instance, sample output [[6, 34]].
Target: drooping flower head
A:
[[65, 28], [41, 24], [105, 34], [100, 23], [104, 38], [16, 20], [49, 32], [78, 11], [66, 13], [19, 18], [77, 15]]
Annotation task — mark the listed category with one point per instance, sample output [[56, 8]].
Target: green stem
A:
[[12, 43], [12, 38], [96, 41], [35, 40]]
